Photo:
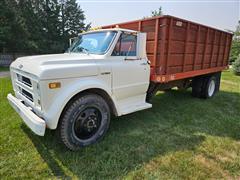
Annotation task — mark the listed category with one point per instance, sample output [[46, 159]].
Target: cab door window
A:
[[126, 45]]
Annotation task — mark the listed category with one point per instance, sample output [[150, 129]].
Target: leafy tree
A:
[[13, 30], [157, 12], [235, 50], [39, 26], [154, 13], [30, 12], [236, 66], [50, 24], [237, 32], [72, 20], [6, 17]]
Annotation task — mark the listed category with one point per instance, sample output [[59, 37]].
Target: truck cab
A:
[[103, 72]]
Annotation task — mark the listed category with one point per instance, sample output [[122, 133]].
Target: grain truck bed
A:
[[180, 49]]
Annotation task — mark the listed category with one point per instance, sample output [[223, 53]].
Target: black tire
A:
[[210, 86], [201, 85], [218, 81], [197, 84], [84, 122]]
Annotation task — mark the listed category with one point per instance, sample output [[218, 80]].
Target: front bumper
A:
[[35, 123]]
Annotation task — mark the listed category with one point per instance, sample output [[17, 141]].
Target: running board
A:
[[134, 108]]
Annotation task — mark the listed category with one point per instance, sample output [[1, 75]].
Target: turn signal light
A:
[[54, 85]]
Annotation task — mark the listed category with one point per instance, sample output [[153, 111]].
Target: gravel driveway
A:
[[4, 74]]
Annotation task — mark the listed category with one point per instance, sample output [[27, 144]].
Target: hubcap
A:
[[87, 123], [211, 88]]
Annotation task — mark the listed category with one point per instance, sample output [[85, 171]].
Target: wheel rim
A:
[[87, 123], [211, 88]]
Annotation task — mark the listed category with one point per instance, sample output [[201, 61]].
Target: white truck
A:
[[77, 90], [105, 72]]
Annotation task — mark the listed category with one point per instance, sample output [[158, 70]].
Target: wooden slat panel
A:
[[226, 40], [185, 48], [156, 43], [139, 25], [169, 44], [196, 48], [219, 45], [212, 51], [205, 49], [229, 48], [162, 47]]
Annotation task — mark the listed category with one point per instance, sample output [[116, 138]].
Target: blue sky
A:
[[223, 14]]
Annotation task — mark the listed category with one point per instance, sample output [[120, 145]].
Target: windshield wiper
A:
[[85, 50], [79, 50]]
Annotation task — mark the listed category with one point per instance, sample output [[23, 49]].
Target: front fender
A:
[[58, 98]]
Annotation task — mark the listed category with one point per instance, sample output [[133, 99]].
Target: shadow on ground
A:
[[176, 122]]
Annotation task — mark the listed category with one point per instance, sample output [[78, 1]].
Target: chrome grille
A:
[[24, 80], [24, 86], [27, 89], [27, 94]]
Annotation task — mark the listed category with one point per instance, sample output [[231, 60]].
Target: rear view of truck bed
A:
[[180, 49]]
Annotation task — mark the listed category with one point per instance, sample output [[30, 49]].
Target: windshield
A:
[[93, 43]]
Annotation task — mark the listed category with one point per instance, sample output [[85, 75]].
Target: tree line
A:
[[39, 26], [235, 51]]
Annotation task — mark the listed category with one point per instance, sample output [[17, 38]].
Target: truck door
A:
[[130, 74]]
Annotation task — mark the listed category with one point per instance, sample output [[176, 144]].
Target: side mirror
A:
[[141, 45]]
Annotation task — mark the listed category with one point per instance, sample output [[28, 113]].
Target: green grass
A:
[[4, 68], [179, 138]]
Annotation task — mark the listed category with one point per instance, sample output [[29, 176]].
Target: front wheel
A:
[[85, 121]]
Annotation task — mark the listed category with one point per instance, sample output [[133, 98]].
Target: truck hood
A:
[[55, 66]]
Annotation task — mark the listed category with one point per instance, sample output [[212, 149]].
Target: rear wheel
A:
[[206, 86], [210, 87], [197, 84], [84, 122]]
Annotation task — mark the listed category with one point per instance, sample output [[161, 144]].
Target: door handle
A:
[[105, 73]]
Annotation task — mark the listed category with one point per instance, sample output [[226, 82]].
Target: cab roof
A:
[[112, 29]]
